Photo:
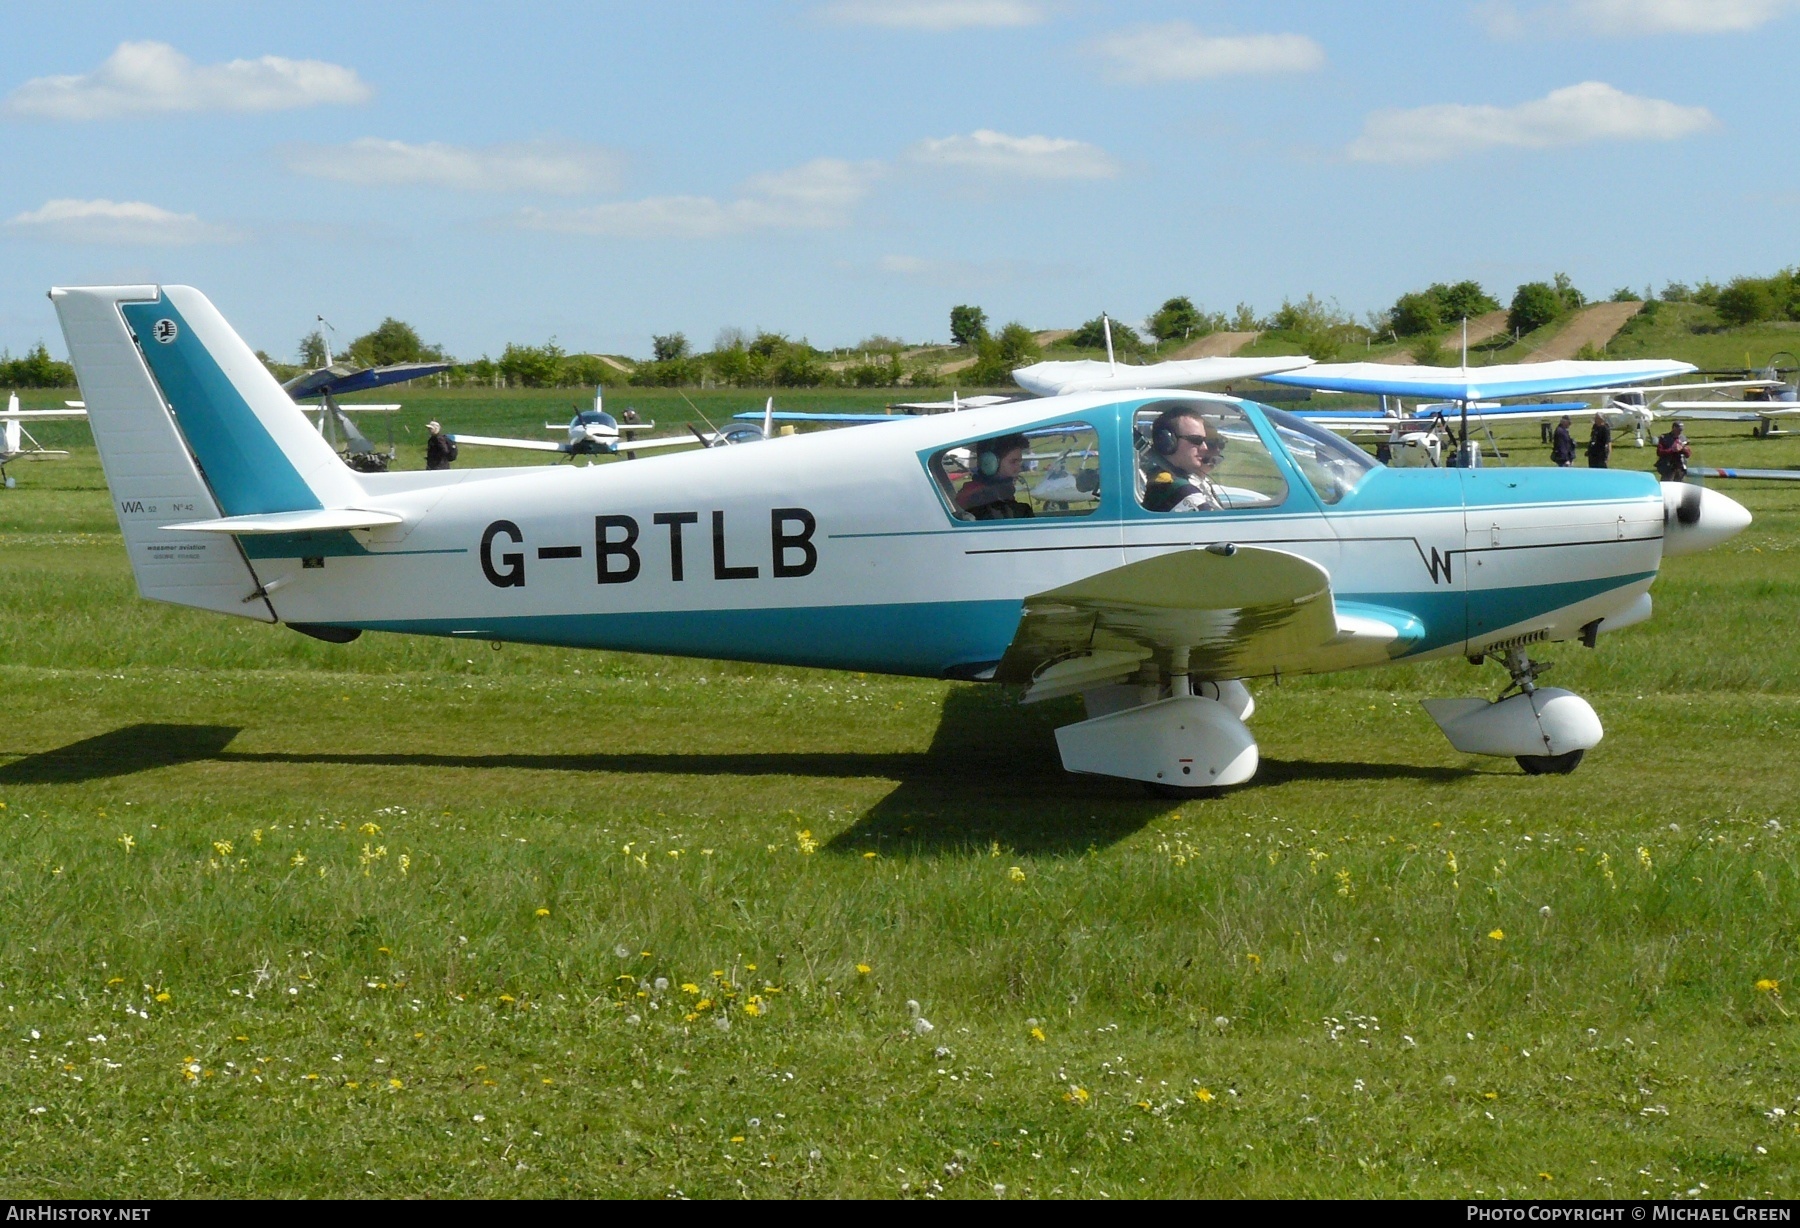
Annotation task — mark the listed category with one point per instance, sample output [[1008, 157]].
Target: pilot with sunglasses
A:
[[1185, 451]]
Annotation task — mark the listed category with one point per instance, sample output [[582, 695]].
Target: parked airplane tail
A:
[[190, 427]]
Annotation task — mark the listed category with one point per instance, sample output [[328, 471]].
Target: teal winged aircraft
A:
[[1195, 544]]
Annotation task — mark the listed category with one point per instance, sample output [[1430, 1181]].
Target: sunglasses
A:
[[1212, 447]]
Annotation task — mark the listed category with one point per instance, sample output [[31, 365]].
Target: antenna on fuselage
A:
[[1106, 327]]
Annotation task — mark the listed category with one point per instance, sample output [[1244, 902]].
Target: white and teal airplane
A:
[[912, 547]]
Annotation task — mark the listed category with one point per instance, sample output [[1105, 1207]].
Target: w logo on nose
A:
[[1438, 565]]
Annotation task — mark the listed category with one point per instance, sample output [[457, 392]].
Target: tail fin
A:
[[191, 426]]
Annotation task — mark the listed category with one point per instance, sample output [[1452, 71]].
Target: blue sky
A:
[[835, 168]]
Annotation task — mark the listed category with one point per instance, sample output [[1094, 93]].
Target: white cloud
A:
[[150, 77], [935, 15], [532, 166], [1176, 51], [986, 152], [1630, 17], [130, 222], [1573, 115], [817, 196]]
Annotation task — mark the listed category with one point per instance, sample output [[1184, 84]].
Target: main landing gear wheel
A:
[[1550, 765]]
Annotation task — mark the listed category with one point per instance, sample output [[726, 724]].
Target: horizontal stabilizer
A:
[[323, 520], [1759, 475], [1521, 379]]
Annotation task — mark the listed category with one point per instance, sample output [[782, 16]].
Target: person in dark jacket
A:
[[991, 493], [1673, 455], [1599, 447], [1562, 445], [1183, 454], [440, 449]]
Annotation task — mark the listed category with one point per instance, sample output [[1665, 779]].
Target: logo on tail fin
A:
[[164, 331]]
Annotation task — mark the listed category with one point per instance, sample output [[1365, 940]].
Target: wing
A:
[[1049, 379], [666, 441], [1759, 475], [1233, 612], [491, 441], [1478, 383], [796, 415]]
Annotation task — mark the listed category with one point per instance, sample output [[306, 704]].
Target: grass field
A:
[[406, 917]]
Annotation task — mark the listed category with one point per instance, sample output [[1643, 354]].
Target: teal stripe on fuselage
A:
[[927, 639], [247, 470]]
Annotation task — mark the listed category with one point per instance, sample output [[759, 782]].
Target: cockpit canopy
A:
[[595, 417]]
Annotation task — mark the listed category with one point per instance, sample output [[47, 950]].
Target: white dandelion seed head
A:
[[722, 1022], [1221, 1022], [912, 1008], [634, 1020], [1544, 912], [623, 952], [662, 983], [922, 1026], [479, 1117]]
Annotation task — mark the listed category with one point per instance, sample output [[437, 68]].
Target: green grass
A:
[[364, 998]]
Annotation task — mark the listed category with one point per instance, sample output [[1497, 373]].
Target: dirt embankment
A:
[[1490, 324], [1593, 326], [1215, 345]]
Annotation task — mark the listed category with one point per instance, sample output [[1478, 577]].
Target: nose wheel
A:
[[1550, 765]]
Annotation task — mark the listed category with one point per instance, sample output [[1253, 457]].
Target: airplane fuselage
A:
[[838, 549]]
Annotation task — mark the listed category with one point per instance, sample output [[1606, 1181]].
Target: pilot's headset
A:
[[1164, 440], [989, 451]]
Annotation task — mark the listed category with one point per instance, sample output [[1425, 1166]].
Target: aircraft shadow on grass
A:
[[991, 774]]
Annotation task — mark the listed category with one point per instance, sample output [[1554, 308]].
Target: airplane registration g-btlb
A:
[[1149, 551]]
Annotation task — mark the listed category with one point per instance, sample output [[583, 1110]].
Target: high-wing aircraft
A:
[[16, 443], [324, 385], [1217, 541], [591, 432]]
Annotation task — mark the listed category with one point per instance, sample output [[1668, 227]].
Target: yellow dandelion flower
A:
[[297, 860], [690, 1017], [542, 912], [396, 1084], [1253, 959], [1490, 1095], [863, 970], [1768, 985], [548, 1082], [754, 1006], [163, 996], [868, 857], [689, 987], [1203, 1096], [506, 997], [384, 950], [704, 1004], [1016, 874], [222, 847], [1077, 1095], [1038, 1034], [310, 1077], [370, 829], [117, 980], [127, 842], [805, 842], [481, 1068], [1496, 934], [737, 1138], [351, 1083]]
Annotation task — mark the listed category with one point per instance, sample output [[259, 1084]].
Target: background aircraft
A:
[[594, 432], [16, 443], [865, 550], [324, 385]]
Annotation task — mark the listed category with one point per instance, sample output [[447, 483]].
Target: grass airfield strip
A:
[[405, 898]]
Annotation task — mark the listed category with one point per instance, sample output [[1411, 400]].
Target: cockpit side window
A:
[[1042, 471], [1331, 464], [1203, 456]]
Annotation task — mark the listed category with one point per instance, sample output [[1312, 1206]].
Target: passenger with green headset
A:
[[991, 493]]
